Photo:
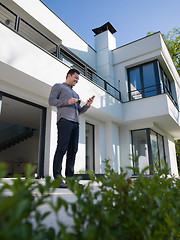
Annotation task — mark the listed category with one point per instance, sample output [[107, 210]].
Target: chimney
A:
[[105, 42]]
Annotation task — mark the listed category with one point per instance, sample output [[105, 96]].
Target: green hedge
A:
[[145, 208]]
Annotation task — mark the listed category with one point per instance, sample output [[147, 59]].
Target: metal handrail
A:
[[142, 89], [54, 50], [35, 29], [171, 97], [142, 92], [10, 14]]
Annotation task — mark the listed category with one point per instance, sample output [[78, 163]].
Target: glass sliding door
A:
[[90, 162], [22, 135]]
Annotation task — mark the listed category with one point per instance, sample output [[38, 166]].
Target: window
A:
[[154, 148], [168, 87], [148, 80], [143, 81], [90, 162], [135, 83], [140, 149], [165, 81], [148, 149]]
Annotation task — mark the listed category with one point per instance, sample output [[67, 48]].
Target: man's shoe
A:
[[63, 185]]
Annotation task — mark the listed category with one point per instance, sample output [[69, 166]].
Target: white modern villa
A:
[[137, 89]]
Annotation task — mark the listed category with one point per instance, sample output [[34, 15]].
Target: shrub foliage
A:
[[119, 208]]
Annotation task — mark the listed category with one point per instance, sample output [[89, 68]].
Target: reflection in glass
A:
[[135, 83], [149, 80], [89, 147], [154, 149], [148, 149], [140, 149]]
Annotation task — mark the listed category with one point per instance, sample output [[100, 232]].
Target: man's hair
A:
[[72, 71]]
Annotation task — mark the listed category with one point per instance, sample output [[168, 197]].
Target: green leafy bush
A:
[[146, 208], [20, 199]]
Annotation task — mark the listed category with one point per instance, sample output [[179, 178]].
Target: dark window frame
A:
[[163, 83], [150, 157], [140, 67], [93, 129]]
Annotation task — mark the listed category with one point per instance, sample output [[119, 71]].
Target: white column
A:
[[51, 140], [81, 154]]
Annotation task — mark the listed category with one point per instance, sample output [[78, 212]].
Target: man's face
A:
[[72, 79]]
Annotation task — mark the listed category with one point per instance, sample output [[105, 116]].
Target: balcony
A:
[[159, 111], [152, 91], [60, 53]]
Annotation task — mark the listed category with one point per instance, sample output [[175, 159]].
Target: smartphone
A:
[[79, 101], [92, 97]]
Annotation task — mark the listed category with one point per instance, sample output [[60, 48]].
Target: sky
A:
[[132, 19]]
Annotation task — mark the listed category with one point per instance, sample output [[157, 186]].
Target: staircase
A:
[[14, 135]]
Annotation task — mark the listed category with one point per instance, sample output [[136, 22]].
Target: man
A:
[[68, 109]]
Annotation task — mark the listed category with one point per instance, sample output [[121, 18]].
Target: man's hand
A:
[[90, 101], [72, 100]]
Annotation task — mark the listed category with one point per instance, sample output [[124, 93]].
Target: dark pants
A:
[[68, 136]]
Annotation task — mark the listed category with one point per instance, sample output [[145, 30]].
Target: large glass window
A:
[[168, 87], [22, 135], [148, 149], [154, 148], [140, 149], [90, 147], [149, 81], [143, 81], [135, 83], [165, 81], [161, 151]]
